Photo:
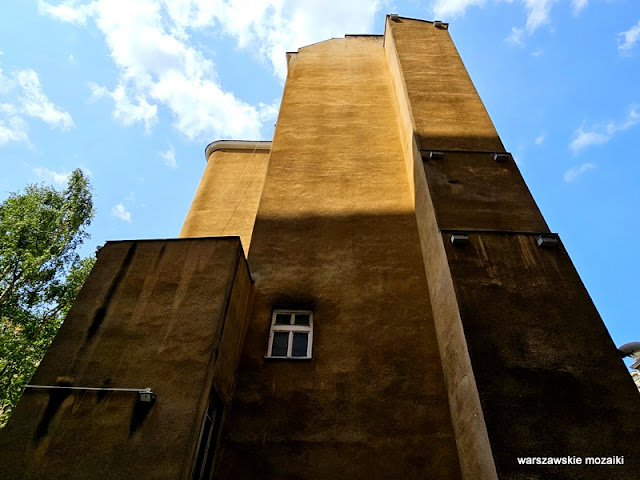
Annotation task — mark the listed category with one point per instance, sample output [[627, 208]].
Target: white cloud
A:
[[69, 11], [602, 133], [539, 140], [126, 109], [571, 174], [450, 8], [21, 96], [626, 40], [273, 27], [59, 178], [6, 83], [121, 212], [537, 10], [578, 5], [13, 129], [582, 139], [7, 108], [537, 53], [160, 66], [515, 38], [537, 13], [35, 103], [169, 157]]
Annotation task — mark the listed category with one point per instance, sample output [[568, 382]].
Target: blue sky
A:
[[132, 92]]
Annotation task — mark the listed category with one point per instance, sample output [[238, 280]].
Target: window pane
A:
[[302, 319], [283, 319], [300, 341], [280, 344]]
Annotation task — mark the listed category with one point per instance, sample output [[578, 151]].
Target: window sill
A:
[[295, 359]]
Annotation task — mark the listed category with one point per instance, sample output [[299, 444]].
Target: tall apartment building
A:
[[372, 295]]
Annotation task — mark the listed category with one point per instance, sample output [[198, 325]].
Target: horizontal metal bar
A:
[[460, 151], [93, 389]]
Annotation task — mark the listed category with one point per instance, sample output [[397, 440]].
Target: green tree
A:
[[40, 275]]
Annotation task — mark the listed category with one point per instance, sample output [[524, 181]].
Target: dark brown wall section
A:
[[165, 314], [473, 191], [550, 378]]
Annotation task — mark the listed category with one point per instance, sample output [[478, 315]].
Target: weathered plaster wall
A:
[[430, 360], [227, 198], [472, 191], [474, 450], [165, 314], [336, 233], [544, 368], [447, 111], [551, 380]]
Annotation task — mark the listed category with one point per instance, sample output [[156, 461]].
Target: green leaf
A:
[[40, 275]]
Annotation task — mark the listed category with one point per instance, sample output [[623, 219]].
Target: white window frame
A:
[[291, 329]]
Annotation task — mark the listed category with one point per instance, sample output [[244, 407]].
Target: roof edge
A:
[[437, 23], [254, 145]]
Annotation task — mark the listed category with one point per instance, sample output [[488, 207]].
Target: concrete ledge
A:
[[253, 145]]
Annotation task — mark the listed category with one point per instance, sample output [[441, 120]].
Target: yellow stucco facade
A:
[[227, 198], [398, 308]]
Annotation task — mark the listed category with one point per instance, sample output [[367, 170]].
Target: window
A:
[[209, 431], [291, 334]]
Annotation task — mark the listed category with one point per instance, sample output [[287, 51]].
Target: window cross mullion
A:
[[291, 328]]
